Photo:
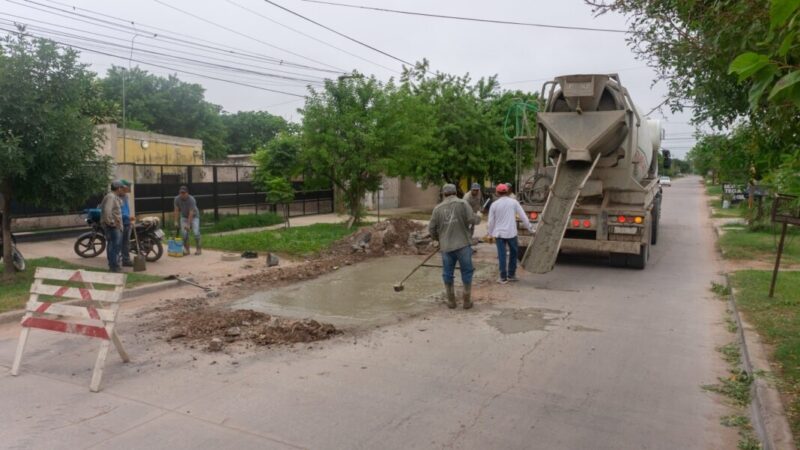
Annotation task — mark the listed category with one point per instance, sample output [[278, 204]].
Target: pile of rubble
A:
[[216, 327], [390, 237]]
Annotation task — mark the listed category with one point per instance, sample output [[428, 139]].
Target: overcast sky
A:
[[255, 45]]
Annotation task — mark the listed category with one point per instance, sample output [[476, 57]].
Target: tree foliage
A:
[[772, 63], [358, 129], [48, 142], [248, 131], [167, 105], [465, 119], [735, 62]]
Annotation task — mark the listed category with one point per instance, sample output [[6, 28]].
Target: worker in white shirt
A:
[[503, 229]]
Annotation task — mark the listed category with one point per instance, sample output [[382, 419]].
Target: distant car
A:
[[665, 181]]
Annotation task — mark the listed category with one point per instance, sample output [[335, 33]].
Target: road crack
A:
[[488, 402]]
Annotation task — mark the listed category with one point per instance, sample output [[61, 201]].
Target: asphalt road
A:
[[585, 357]]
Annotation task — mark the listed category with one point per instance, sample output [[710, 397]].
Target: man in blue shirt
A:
[[126, 224]]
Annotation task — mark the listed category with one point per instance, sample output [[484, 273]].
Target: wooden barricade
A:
[[95, 320]]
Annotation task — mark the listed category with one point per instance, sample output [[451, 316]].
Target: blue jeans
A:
[[464, 258], [195, 226], [508, 268], [125, 251], [113, 247]]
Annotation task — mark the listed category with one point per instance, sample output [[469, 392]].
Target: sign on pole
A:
[[786, 211]]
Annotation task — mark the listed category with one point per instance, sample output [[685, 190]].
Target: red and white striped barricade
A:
[[95, 320]]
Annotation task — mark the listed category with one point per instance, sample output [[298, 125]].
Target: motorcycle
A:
[[93, 243], [19, 260]]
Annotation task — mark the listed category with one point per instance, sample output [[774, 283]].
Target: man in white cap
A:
[[503, 228], [449, 225]]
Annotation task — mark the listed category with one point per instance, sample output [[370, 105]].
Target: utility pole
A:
[[125, 101]]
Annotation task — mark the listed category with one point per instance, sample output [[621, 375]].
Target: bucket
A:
[[175, 247]]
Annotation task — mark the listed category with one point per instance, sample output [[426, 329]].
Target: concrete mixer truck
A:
[[594, 186]]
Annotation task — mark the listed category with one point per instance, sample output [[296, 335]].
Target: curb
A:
[[127, 295], [766, 408]]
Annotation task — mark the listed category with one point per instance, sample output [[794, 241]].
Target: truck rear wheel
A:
[[654, 221], [639, 261], [618, 259]]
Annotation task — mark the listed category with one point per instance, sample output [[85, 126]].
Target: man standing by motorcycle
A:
[[111, 219], [127, 221]]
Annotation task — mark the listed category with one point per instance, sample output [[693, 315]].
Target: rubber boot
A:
[[199, 247], [467, 296], [451, 295]]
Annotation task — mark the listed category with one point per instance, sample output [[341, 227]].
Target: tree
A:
[[280, 157], [250, 130], [48, 143], [690, 46], [467, 135], [167, 105], [356, 130], [735, 62], [276, 165]]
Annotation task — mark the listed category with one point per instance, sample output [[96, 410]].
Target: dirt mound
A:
[[216, 326], [389, 237]]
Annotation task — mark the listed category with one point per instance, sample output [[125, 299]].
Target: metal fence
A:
[[221, 189]]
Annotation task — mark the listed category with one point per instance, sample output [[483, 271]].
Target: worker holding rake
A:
[[450, 225]]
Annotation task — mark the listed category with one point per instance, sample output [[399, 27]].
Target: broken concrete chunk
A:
[[215, 345], [272, 260]]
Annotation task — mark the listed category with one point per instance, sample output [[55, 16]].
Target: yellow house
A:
[[143, 147]]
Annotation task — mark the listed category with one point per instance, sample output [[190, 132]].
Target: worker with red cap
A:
[[503, 215]]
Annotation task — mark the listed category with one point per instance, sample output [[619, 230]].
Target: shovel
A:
[[399, 286], [139, 262]]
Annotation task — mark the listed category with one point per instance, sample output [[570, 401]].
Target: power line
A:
[[338, 33], [255, 39], [170, 56], [469, 19], [657, 107], [91, 50], [165, 34], [309, 36]]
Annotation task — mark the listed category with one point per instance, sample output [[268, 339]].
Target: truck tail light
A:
[[587, 223], [576, 223], [637, 219], [534, 215], [621, 219]]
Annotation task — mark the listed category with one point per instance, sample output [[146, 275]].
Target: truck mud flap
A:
[[540, 257]]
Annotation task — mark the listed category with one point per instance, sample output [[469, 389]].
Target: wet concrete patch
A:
[[361, 294], [510, 321]]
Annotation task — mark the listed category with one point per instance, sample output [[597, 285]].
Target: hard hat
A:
[[501, 188], [475, 186]]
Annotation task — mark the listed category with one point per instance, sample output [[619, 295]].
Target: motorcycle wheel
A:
[[90, 245], [151, 248]]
